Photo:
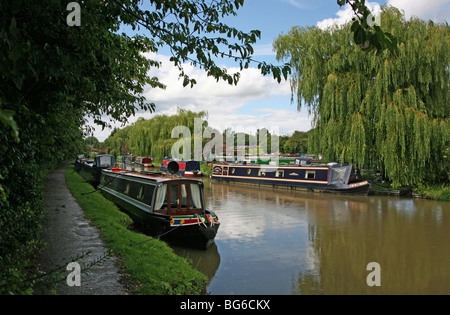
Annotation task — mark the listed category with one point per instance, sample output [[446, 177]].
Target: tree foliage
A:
[[297, 143], [388, 110], [152, 137], [54, 76], [366, 33], [193, 31]]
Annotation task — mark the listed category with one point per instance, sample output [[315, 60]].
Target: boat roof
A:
[[150, 175], [305, 166]]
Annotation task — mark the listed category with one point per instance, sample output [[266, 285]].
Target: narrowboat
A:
[[184, 168], [169, 207], [139, 161], [330, 177], [143, 161], [91, 169]]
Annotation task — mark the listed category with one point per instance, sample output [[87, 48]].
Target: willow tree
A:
[[152, 137], [377, 108]]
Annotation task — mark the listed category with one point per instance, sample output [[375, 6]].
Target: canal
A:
[[280, 241]]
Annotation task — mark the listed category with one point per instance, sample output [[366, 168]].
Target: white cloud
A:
[[436, 10], [209, 94], [345, 15], [227, 105]]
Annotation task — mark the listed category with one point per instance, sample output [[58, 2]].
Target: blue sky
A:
[[258, 101]]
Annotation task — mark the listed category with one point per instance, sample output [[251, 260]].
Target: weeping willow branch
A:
[[377, 110]]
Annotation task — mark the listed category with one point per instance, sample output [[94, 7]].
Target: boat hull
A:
[[362, 189], [290, 177], [196, 231]]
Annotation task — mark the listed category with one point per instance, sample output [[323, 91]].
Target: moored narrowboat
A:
[[184, 168], [330, 177], [91, 169], [166, 206], [139, 161], [143, 161]]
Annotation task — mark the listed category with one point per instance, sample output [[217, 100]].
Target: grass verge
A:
[[150, 268], [436, 192], [206, 168]]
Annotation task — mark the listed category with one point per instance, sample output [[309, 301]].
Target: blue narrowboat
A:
[[330, 177]]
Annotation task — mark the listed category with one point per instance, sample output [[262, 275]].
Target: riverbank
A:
[[425, 191], [435, 192], [149, 268]]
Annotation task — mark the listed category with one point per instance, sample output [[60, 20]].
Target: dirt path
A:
[[70, 235]]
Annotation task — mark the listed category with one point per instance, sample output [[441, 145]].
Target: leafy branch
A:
[[186, 27], [366, 33]]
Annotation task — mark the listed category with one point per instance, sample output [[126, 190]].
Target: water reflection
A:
[[280, 241], [407, 237], [206, 261], [275, 241]]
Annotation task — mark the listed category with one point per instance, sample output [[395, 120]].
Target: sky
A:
[[259, 101]]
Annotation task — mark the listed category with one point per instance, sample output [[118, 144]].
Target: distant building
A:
[[95, 150]]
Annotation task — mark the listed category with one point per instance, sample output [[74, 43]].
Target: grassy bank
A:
[[436, 192], [152, 267], [206, 168]]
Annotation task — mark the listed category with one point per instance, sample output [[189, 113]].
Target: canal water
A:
[[280, 241]]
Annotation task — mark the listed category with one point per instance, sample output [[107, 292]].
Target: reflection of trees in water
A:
[[408, 238]]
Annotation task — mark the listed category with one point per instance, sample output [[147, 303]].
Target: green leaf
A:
[[7, 119]]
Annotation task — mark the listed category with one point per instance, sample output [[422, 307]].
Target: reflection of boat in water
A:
[[207, 261], [281, 206], [170, 207], [327, 178]]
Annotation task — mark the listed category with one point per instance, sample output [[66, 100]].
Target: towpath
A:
[[70, 235]]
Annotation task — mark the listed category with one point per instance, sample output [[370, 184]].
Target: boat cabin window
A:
[[132, 189], [119, 185], [140, 194], [249, 171], [279, 173], [103, 161], [107, 180], [179, 197], [148, 194], [261, 173], [310, 174]]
